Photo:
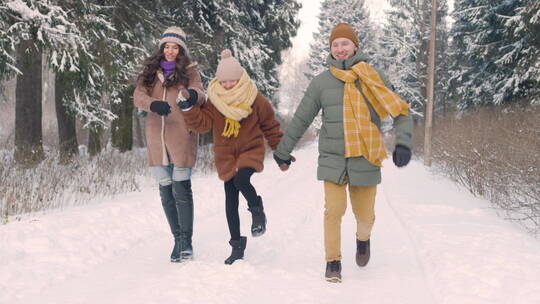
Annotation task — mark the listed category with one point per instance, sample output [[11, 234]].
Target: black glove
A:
[[401, 156], [187, 98], [160, 107], [283, 164]]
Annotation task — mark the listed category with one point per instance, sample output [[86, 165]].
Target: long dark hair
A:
[[150, 66]]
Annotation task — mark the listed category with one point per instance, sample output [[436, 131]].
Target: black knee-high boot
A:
[[183, 197], [169, 206]]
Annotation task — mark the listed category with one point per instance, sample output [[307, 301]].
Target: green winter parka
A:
[[325, 92]]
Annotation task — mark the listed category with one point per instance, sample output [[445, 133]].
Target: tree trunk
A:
[[28, 110], [94, 140], [67, 134], [431, 83], [122, 127], [139, 136]]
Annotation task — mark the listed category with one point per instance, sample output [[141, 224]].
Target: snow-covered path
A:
[[432, 243]]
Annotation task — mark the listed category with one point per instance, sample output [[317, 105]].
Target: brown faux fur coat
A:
[[246, 150], [167, 137]]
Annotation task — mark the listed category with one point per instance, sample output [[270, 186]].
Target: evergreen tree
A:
[[491, 53], [277, 26], [461, 66], [95, 47], [401, 42], [35, 28], [7, 44], [130, 35], [524, 52], [406, 39], [255, 31], [333, 12]]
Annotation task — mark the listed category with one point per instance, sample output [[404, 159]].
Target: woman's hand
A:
[[160, 107], [187, 99]]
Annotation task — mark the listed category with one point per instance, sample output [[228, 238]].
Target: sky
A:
[[433, 242]]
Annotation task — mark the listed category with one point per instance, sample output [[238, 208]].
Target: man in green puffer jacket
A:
[[353, 100]]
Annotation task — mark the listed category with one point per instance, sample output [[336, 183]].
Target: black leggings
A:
[[240, 183]]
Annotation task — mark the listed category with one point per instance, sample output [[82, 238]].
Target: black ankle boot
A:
[[169, 206], [238, 247], [362, 253], [258, 225]]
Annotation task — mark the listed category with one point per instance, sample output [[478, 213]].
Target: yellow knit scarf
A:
[[362, 137], [234, 104]]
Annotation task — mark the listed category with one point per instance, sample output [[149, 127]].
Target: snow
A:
[[432, 243], [22, 8]]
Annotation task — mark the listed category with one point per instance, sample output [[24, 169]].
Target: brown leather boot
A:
[[333, 272], [362, 253]]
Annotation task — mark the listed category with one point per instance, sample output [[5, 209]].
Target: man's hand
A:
[[282, 163], [401, 156]]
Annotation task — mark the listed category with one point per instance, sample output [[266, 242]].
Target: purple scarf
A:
[[168, 67]]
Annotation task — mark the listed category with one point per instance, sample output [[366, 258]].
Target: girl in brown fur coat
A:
[[241, 118]]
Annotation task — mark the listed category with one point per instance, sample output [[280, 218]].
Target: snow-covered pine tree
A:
[[122, 34], [277, 23], [199, 19], [255, 31], [401, 44], [442, 103], [94, 90], [486, 53], [524, 52], [333, 12], [406, 39], [36, 28], [135, 28], [460, 66], [7, 60], [93, 47], [42, 22]]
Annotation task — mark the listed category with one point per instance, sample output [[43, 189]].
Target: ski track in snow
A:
[[432, 243]]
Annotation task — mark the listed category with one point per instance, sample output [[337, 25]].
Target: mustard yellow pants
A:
[[363, 205]]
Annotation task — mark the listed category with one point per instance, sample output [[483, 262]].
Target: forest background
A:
[[69, 131]]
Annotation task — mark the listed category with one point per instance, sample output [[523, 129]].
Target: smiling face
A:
[[342, 48], [171, 51], [228, 84]]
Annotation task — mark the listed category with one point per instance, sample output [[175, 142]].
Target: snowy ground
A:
[[432, 243]]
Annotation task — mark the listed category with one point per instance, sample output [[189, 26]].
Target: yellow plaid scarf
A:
[[234, 104], [362, 137]]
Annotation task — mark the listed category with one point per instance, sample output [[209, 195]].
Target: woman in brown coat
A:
[[171, 147], [241, 118]]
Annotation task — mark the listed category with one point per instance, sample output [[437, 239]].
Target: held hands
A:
[[187, 99], [160, 107], [401, 156], [284, 164]]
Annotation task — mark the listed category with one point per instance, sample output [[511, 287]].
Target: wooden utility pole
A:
[[430, 85]]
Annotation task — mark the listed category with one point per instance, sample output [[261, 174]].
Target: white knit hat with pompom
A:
[[228, 68]]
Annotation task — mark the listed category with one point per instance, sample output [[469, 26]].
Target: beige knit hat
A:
[[344, 30], [228, 68], [176, 35]]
